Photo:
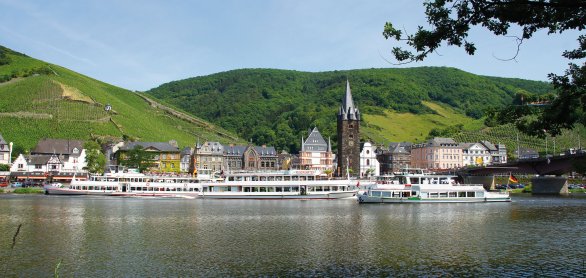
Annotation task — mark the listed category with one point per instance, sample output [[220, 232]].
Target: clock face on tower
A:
[[350, 143]]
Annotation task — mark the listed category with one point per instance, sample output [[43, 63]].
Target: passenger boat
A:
[[132, 184], [291, 184], [416, 186], [243, 185]]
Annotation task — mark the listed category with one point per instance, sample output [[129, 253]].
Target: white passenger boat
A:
[[293, 184], [132, 184], [244, 185], [417, 186]]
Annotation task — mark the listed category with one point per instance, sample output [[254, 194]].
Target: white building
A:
[[475, 154], [53, 155], [316, 153], [5, 151], [369, 165]]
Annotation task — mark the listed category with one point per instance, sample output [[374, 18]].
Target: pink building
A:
[[437, 154]]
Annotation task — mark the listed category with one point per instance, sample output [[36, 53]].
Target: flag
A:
[[513, 179]]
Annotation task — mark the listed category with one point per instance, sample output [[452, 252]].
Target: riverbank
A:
[[22, 190]]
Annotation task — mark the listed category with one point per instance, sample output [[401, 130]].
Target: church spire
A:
[[348, 111]]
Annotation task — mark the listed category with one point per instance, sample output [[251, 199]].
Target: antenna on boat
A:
[[348, 167]]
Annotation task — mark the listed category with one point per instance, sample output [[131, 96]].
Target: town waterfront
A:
[[137, 237]]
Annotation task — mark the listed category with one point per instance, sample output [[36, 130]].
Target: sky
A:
[[139, 45]]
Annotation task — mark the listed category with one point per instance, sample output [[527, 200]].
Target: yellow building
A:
[[167, 156]]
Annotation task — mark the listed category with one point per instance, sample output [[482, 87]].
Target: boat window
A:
[[462, 194], [287, 189], [480, 194], [396, 194], [470, 194], [443, 194], [278, 189], [433, 194], [375, 193], [453, 194], [263, 189], [386, 194]]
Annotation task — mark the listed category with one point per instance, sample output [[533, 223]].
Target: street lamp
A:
[[10, 154]]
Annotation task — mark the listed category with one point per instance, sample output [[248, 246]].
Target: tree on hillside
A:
[[138, 158], [96, 160], [451, 21]]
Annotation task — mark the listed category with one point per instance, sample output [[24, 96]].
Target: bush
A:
[[29, 190]]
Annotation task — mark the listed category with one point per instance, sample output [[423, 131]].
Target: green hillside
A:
[[279, 106], [42, 100]]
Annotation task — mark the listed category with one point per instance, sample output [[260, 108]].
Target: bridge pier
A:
[[549, 185], [486, 181]]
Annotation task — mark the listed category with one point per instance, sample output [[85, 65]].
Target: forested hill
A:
[[279, 106]]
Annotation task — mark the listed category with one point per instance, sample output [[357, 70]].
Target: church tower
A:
[[348, 136]]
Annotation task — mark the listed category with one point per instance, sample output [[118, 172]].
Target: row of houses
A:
[[440, 153], [66, 157]]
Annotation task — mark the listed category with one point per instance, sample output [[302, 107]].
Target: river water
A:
[[137, 237]]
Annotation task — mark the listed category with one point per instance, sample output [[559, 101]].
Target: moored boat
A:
[[421, 187], [243, 185], [292, 184], [130, 184]]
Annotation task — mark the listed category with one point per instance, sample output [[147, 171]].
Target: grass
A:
[[29, 190], [66, 104], [398, 127]]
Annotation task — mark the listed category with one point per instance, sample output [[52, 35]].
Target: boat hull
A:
[[278, 196], [370, 199], [72, 192]]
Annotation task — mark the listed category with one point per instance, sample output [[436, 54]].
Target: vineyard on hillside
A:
[[512, 138], [40, 100]]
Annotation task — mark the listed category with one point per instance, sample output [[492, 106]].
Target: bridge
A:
[[548, 172]]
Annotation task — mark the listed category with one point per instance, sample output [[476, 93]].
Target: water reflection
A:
[[97, 236]]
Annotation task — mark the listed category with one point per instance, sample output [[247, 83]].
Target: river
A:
[[137, 237]]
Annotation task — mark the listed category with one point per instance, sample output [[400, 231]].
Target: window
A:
[[38, 166]]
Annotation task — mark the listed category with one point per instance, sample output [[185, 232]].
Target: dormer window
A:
[[75, 150]]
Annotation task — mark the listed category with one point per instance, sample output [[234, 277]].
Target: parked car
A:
[[16, 184], [574, 186]]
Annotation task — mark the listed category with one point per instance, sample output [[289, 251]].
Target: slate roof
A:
[[161, 146], [234, 150], [400, 147], [186, 151], [444, 142], [58, 146], [38, 159], [215, 148], [2, 141], [315, 142], [348, 110], [239, 150], [265, 151], [491, 147]]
